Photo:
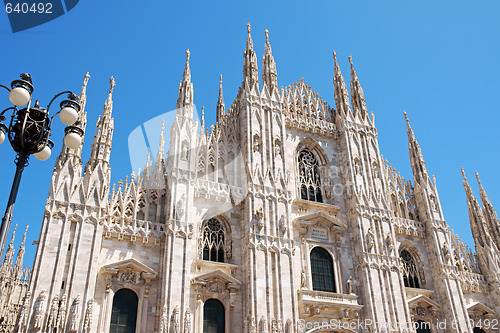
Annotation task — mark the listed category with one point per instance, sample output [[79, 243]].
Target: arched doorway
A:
[[214, 318], [124, 312], [478, 330]]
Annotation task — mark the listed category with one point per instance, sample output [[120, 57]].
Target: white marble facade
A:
[[241, 212]]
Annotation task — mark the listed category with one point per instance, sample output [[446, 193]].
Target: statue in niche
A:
[[277, 148], [184, 151], [303, 279], [375, 171], [390, 243], [357, 167], [434, 204], [370, 236], [180, 206], [259, 214], [256, 143], [349, 285]]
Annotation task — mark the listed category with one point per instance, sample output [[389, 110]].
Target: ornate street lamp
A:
[[29, 131]]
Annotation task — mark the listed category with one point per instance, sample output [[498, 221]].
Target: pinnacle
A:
[[111, 87], [478, 180]]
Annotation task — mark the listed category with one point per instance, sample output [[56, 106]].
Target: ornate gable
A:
[[128, 271]]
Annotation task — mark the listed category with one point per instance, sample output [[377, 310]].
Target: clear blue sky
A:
[[436, 60]]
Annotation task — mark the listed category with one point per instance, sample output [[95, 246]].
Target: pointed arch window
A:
[[124, 312], [309, 177], [213, 241], [410, 270], [213, 317], [322, 270]]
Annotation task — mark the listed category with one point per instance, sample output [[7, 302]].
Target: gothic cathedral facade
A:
[[282, 217]]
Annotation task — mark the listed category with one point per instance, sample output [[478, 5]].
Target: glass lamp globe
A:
[[68, 115], [43, 155], [72, 140], [19, 96], [2, 136]]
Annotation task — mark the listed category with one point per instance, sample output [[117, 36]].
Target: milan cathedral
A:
[[281, 217]]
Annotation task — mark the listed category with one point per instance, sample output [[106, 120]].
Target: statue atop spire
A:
[[250, 69], [101, 144], [185, 97], [161, 145], [340, 89], [111, 87], [357, 95], [18, 267], [83, 94], [490, 214], [221, 107], [9, 254], [477, 221], [269, 72], [416, 157]]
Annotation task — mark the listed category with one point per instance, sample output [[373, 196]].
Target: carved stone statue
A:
[[164, 320], [263, 325], [370, 237], [61, 316], [40, 311], [24, 312], [54, 307], [252, 327], [256, 143], [175, 321], [349, 285], [187, 322], [87, 321], [75, 315], [303, 279], [390, 243]]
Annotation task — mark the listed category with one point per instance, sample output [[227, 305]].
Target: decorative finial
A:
[[350, 60], [335, 55], [267, 36], [406, 117], [111, 85], [248, 27], [86, 79], [187, 56], [463, 174], [478, 180]]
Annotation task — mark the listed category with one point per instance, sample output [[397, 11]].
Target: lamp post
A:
[[29, 131]]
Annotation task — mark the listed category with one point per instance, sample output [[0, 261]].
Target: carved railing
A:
[[409, 227], [472, 282], [219, 191], [323, 296], [133, 227]]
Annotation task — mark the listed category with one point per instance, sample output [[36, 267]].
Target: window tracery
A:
[[215, 245], [309, 177], [411, 274]]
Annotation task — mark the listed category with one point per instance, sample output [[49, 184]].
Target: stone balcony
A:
[[327, 304]]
